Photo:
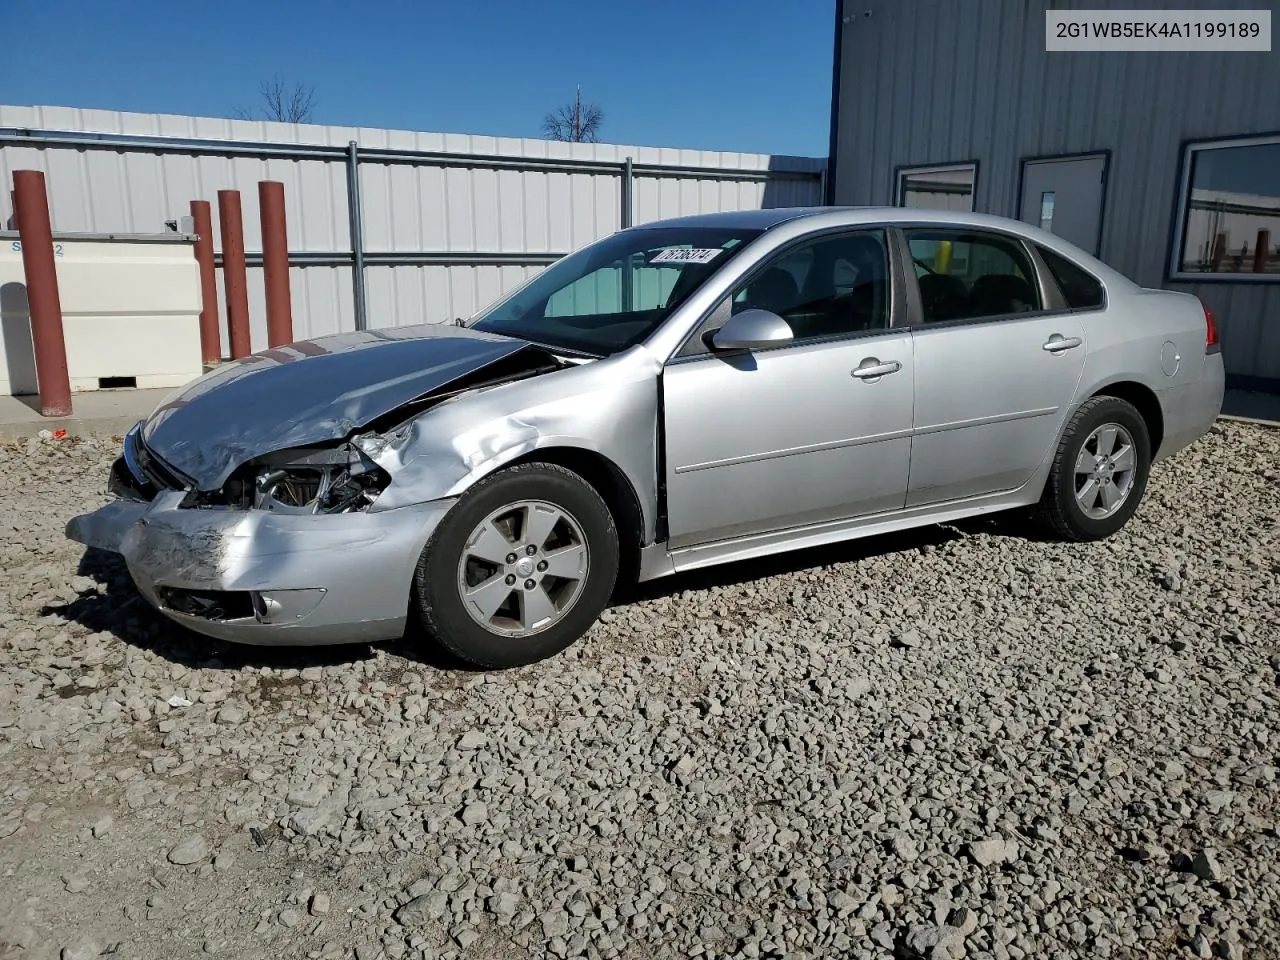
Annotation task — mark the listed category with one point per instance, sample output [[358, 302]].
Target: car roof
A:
[[764, 219], [803, 219]]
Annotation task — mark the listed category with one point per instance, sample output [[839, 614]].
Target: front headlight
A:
[[307, 480]]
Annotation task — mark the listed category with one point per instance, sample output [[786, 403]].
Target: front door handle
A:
[[1057, 343], [873, 369]]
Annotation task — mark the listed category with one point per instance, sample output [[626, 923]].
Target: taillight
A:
[[1210, 329]]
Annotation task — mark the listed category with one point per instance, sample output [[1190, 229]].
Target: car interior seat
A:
[[994, 294], [846, 289], [774, 290], [943, 297]]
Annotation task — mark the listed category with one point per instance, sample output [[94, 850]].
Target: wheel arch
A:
[[1145, 401], [614, 487], [1059, 507], [1132, 391]]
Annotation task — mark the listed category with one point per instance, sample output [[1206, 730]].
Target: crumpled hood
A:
[[311, 392]]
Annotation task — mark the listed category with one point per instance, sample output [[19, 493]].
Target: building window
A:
[[1229, 211], [1046, 209], [948, 187]]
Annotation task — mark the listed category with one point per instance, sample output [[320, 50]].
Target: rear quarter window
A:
[[1081, 289]]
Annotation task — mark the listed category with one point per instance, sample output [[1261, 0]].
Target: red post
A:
[[1262, 251], [275, 263], [32, 205], [210, 343], [234, 277], [1219, 253]]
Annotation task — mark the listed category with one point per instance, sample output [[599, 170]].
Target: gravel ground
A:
[[960, 742]]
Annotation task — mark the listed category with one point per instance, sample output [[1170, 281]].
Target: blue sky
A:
[[750, 75]]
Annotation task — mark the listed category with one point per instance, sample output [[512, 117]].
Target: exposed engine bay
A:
[[325, 478], [288, 400], [330, 479], [338, 479]]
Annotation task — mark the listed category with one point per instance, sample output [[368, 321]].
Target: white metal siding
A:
[[935, 81], [447, 207], [405, 295]]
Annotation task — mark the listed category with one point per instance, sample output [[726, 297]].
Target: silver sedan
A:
[[676, 395]]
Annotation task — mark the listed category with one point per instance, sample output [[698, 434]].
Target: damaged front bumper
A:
[[261, 577]]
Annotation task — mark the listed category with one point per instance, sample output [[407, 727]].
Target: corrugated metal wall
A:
[[449, 221], [935, 81]]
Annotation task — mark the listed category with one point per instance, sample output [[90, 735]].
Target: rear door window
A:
[[966, 275]]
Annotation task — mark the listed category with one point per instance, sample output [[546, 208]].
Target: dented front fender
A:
[[607, 407]]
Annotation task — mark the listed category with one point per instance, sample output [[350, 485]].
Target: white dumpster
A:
[[130, 311]]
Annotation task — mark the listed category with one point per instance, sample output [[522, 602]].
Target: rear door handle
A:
[[872, 369], [1057, 343]]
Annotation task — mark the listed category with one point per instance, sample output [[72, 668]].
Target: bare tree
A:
[[576, 122], [282, 101]]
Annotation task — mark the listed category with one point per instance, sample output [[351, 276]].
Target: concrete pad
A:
[[94, 413]]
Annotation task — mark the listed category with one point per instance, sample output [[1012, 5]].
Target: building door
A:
[[1064, 196]]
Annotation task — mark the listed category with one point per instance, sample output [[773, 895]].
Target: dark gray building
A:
[[1164, 164]]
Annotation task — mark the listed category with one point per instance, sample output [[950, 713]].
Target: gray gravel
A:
[[959, 742]]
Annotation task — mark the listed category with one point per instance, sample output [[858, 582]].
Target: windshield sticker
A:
[[695, 255]]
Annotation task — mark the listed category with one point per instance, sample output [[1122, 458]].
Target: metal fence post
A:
[[357, 235], [627, 181]]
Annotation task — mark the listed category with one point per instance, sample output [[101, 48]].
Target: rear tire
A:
[[1099, 471], [520, 568]]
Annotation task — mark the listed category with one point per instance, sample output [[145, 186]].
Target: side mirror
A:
[[752, 329]]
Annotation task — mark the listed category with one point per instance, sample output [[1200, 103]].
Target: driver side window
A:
[[834, 285]]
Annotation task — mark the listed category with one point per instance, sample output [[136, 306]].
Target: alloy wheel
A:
[[523, 568], [1105, 471]]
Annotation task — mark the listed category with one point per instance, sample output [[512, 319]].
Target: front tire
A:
[[1099, 472], [520, 568]]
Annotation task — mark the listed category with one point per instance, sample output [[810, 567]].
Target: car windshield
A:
[[611, 295]]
